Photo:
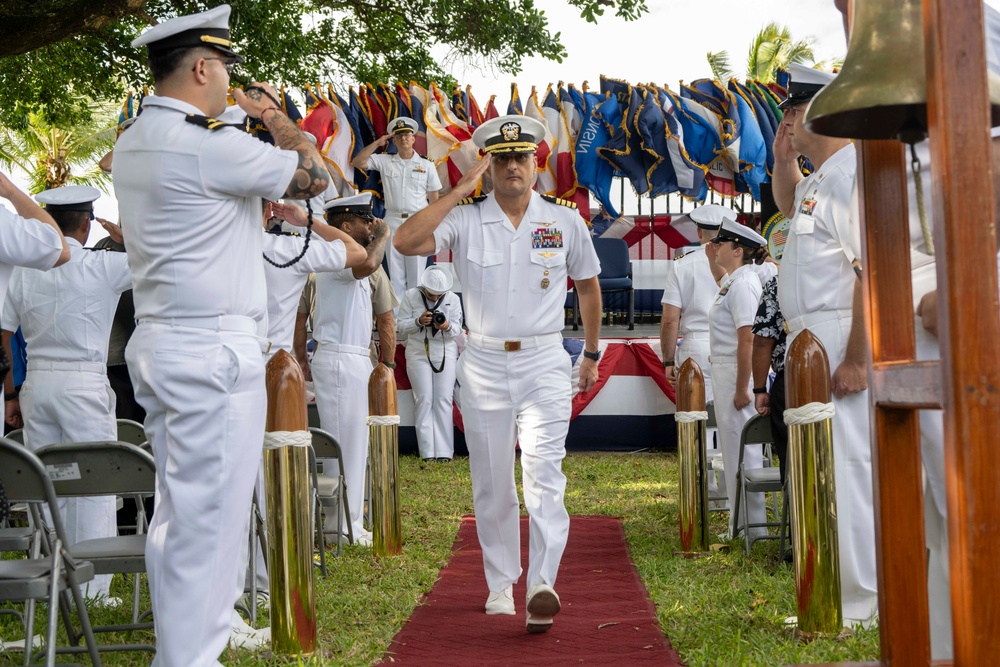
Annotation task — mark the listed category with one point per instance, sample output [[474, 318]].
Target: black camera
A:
[[438, 318]]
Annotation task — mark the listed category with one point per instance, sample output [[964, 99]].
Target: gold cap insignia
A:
[[510, 131]]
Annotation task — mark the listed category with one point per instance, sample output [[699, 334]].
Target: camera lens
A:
[[438, 318]]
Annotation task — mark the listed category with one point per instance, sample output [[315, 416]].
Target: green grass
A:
[[725, 609]]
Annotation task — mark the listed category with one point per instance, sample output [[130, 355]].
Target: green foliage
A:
[[722, 69], [772, 48], [294, 42]]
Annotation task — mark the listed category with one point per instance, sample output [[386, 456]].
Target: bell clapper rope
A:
[[918, 183]]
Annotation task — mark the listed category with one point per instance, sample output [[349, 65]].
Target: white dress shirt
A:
[[66, 313], [25, 242], [405, 183], [514, 280], [194, 241], [734, 307], [692, 288], [343, 309]]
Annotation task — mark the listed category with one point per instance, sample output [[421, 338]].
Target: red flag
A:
[[491, 109], [318, 120], [476, 117]]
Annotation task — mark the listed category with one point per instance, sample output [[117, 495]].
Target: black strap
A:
[[434, 332], [309, 228]]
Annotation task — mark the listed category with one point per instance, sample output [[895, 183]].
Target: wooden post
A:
[[965, 232]]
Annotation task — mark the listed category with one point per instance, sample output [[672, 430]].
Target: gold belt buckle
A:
[[404, 216], [511, 345], [784, 325]]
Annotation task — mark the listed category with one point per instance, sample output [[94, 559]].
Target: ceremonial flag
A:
[[760, 119], [514, 107], [753, 150], [624, 149], [366, 133], [458, 105], [376, 114], [403, 100], [319, 117], [565, 172], [389, 103], [699, 127], [491, 109], [449, 140], [579, 110], [592, 171], [338, 150], [476, 117], [364, 180], [706, 93], [723, 175], [761, 99], [418, 103], [546, 183], [690, 174]]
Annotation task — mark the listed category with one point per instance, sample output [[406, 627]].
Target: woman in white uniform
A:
[[431, 355], [731, 341]]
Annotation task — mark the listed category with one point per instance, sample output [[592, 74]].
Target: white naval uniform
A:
[[734, 307], [25, 242], [691, 287], [816, 291], [433, 393], [190, 203], [406, 184], [341, 369], [65, 315], [514, 283]]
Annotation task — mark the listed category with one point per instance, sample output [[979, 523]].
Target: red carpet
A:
[[607, 617]]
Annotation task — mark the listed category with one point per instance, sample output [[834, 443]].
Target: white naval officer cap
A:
[[509, 134], [710, 216], [69, 198], [401, 124], [209, 29], [435, 279], [359, 205], [805, 83], [734, 231]]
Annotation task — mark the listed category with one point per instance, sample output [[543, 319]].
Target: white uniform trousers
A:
[[519, 397], [433, 396], [853, 475], [695, 346], [203, 392], [73, 402], [341, 381], [404, 272], [731, 422]]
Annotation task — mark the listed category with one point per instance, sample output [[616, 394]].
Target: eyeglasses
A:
[[229, 63]]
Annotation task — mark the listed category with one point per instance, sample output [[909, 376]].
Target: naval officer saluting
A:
[[189, 190], [513, 251]]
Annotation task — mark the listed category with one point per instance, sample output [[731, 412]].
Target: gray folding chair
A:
[[108, 469], [330, 490], [131, 432], [43, 577], [17, 435], [759, 480]]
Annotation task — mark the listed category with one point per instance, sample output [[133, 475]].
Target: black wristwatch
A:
[[10, 397], [760, 390], [596, 356], [389, 364], [667, 364]]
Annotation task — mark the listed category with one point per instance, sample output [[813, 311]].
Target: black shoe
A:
[[443, 459], [428, 460]]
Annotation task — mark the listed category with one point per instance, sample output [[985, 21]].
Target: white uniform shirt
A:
[[734, 307], [514, 280], [816, 273], [66, 313], [405, 183], [412, 307], [343, 309], [25, 242], [692, 288], [190, 205], [284, 286]]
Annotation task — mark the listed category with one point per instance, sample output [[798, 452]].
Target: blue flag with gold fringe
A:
[[760, 120], [624, 148], [593, 172]]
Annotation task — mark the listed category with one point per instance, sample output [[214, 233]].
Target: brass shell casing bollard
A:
[[288, 489], [813, 491], [691, 457], [383, 429]]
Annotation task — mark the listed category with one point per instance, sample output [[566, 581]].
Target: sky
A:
[[666, 45]]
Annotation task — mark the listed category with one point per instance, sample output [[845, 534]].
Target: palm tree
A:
[[51, 156], [772, 49]]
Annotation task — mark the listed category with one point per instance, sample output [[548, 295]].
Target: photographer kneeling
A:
[[431, 318]]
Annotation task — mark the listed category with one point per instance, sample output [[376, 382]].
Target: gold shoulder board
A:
[[558, 201]]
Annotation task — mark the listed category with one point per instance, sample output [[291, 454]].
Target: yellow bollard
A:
[[383, 428], [813, 487], [691, 417], [288, 489]]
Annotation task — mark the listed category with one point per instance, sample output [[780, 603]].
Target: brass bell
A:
[[881, 92]]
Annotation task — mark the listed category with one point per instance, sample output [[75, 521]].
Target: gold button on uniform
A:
[[545, 283]]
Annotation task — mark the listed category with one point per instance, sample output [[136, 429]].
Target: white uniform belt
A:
[[695, 335], [238, 323], [398, 214], [345, 349], [722, 358], [797, 324], [481, 342], [86, 366]]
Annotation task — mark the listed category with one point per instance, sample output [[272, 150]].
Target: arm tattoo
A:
[[311, 177], [376, 249]]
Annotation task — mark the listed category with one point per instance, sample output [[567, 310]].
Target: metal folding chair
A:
[[329, 489], [108, 469], [43, 577], [760, 480], [131, 432]]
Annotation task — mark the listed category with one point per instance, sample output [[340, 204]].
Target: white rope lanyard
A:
[[810, 413], [685, 417]]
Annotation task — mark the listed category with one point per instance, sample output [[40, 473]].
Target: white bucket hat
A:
[[436, 280]]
